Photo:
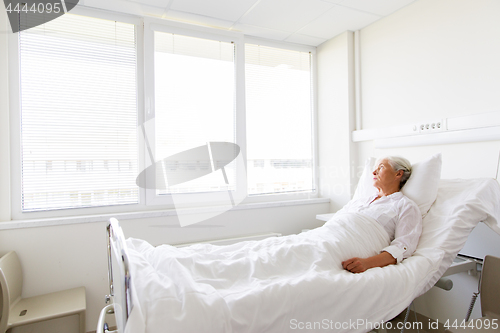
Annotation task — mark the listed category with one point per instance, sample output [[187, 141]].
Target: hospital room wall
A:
[[434, 59], [337, 158]]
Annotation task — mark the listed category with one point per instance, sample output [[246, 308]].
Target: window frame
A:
[[256, 198], [15, 123], [145, 101], [151, 26]]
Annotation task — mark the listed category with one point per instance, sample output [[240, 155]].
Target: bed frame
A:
[[120, 292]]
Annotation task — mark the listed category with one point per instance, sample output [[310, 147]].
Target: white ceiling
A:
[[308, 22]]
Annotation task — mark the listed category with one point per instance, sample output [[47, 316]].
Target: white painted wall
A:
[[337, 161], [432, 58], [435, 59]]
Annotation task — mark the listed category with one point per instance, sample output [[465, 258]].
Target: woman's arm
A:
[[359, 265], [407, 233]]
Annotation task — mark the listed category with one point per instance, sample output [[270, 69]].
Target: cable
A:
[[471, 306], [416, 319], [473, 299], [406, 317]]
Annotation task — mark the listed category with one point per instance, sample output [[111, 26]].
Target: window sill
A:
[[35, 223]]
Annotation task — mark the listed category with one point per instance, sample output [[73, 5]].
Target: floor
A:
[[414, 324]]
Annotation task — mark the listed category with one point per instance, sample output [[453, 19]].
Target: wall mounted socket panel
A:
[[471, 128], [429, 127]]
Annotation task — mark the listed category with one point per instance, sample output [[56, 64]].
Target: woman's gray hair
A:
[[399, 163]]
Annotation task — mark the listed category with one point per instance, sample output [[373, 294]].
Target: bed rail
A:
[[102, 326], [120, 293]]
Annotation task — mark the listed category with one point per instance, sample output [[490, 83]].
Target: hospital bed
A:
[[273, 286]]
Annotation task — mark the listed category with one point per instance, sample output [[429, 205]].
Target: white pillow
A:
[[421, 187], [365, 186]]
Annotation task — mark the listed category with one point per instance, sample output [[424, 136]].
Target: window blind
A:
[[78, 114], [279, 120], [194, 104]]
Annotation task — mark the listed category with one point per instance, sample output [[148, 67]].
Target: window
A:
[[78, 102], [102, 100], [279, 120], [194, 103]]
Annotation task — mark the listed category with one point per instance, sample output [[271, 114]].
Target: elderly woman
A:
[[399, 215]]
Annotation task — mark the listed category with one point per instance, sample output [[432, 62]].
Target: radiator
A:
[[227, 241]]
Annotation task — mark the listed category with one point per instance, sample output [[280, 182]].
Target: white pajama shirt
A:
[[398, 215]]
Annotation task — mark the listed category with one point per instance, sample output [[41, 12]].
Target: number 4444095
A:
[[35, 8], [474, 324]]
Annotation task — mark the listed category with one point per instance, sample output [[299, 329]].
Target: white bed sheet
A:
[[279, 284], [460, 205]]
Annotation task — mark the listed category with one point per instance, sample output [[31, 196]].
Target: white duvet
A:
[[279, 284]]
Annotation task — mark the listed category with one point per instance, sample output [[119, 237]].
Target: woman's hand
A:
[[356, 265], [359, 265]]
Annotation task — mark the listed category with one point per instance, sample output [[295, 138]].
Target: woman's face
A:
[[384, 176]]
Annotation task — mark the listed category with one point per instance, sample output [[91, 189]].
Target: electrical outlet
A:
[[430, 127]]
